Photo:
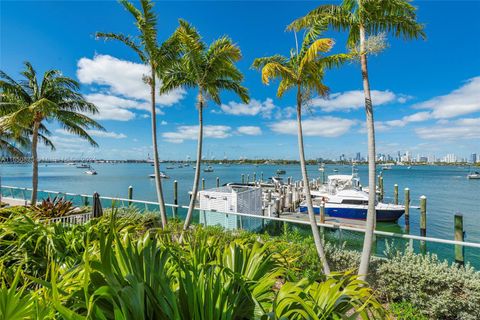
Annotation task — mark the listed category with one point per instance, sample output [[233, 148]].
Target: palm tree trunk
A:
[[156, 162], [197, 168], [306, 188], [371, 214], [36, 125]]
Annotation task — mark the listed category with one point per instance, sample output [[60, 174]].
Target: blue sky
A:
[[427, 93]]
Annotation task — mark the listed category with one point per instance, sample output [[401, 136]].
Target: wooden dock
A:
[[328, 220]]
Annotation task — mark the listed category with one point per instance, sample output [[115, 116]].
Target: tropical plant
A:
[[303, 72], [145, 45], [30, 103], [53, 208], [208, 69], [362, 18], [340, 294]]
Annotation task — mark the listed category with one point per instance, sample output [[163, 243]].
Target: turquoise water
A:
[[447, 189]]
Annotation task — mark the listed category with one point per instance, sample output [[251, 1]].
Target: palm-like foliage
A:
[[303, 72], [109, 269], [30, 103], [339, 295], [362, 18], [208, 69], [145, 45], [12, 144]]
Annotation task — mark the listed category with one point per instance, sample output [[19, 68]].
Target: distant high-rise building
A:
[[358, 157], [473, 158]]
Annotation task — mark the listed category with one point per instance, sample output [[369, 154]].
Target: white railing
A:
[[336, 226], [81, 218]]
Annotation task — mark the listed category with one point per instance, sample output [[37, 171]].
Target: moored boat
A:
[[91, 172], [208, 169], [474, 175], [344, 199], [162, 175], [353, 204], [281, 171]]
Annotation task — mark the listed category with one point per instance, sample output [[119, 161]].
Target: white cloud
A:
[[122, 86], [355, 99], [461, 101], [113, 107], [93, 133], [106, 134], [249, 130], [163, 123], [319, 126], [416, 117], [191, 133], [467, 128], [253, 108]]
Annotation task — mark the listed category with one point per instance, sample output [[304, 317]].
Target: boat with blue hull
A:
[[343, 199]]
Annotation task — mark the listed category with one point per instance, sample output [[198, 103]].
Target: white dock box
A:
[[215, 204]]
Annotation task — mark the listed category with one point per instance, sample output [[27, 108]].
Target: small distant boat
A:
[[170, 167], [162, 175], [409, 167], [91, 172], [386, 167], [208, 169], [281, 171], [335, 170], [474, 175], [83, 166]]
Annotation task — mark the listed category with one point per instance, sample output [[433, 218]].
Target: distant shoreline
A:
[[244, 161]]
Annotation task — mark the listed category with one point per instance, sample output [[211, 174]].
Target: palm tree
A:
[[209, 70], [361, 18], [145, 45], [30, 103], [303, 72]]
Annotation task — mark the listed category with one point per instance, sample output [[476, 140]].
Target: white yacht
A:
[[91, 172], [343, 199], [162, 175], [474, 175]]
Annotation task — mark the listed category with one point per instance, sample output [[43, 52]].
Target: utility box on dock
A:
[[217, 203]]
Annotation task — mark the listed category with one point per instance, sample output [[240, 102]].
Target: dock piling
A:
[[175, 198], [407, 210], [380, 185], [130, 194], [254, 177], [203, 183], [261, 176], [395, 193], [423, 222], [218, 182], [243, 178], [459, 236], [322, 212]]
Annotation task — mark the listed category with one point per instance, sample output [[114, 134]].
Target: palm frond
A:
[[127, 40], [310, 53], [276, 70]]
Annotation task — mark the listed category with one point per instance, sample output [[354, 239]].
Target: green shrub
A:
[[5, 213], [439, 289], [406, 311]]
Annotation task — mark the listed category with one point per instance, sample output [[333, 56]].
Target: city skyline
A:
[[417, 108]]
